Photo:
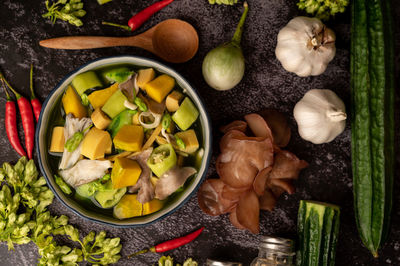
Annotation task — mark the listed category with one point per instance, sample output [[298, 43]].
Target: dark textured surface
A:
[[266, 84]]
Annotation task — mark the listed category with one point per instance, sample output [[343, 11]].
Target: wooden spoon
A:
[[173, 40]]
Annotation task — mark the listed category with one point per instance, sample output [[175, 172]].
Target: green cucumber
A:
[[115, 104], [85, 81], [318, 228], [186, 114], [373, 122]]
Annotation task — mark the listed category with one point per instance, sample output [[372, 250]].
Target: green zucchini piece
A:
[[118, 74], [115, 104], [162, 159], [318, 228], [122, 119], [186, 114], [85, 81]]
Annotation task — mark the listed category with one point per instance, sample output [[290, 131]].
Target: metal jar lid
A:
[[282, 245], [222, 263]]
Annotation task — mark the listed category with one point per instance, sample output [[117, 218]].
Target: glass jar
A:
[[275, 251], [222, 263]]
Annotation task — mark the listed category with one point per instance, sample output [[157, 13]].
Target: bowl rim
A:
[[207, 142]]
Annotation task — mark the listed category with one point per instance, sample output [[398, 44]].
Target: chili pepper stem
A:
[[9, 99], [152, 249], [117, 25], [17, 95], [33, 96]]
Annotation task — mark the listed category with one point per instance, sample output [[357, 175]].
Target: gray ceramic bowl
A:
[[42, 144]]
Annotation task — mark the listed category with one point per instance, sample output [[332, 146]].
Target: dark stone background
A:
[[265, 84]]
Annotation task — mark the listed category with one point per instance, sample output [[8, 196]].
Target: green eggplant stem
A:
[[237, 37]]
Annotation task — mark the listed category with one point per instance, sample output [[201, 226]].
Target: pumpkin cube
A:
[[152, 206], [135, 119], [109, 146], [57, 140], [100, 119], [190, 139], [159, 87], [72, 103], [128, 207], [125, 173], [145, 76], [95, 144], [99, 98], [173, 100], [129, 138]]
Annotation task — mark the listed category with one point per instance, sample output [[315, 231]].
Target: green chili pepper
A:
[[73, 142], [63, 186], [181, 144], [166, 121], [141, 104], [162, 159]]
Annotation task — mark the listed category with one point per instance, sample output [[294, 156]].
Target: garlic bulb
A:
[[320, 116], [305, 46]]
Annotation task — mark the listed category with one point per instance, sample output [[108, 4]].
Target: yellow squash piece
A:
[[98, 98], [135, 119], [129, 138], [72, 103], [145, 76], [95, 144], [190, 139], [112, 158], [159, 87], [109, 146], [128, 207], [100, 119], [152, 206], [57, 140], [173, 100], [125, 173]]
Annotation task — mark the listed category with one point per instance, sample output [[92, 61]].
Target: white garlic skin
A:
[[320, 116], [305, 46]]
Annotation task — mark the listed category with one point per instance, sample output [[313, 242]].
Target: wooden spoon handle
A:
[[85, 42]]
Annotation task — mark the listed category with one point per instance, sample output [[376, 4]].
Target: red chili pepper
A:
[[171, 244], [138, 19], [11, 123], [36, 105], [26, 117]]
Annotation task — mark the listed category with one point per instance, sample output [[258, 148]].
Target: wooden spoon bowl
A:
[[173, 40]]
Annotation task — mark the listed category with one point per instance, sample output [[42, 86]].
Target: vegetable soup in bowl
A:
[[123, 141]]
